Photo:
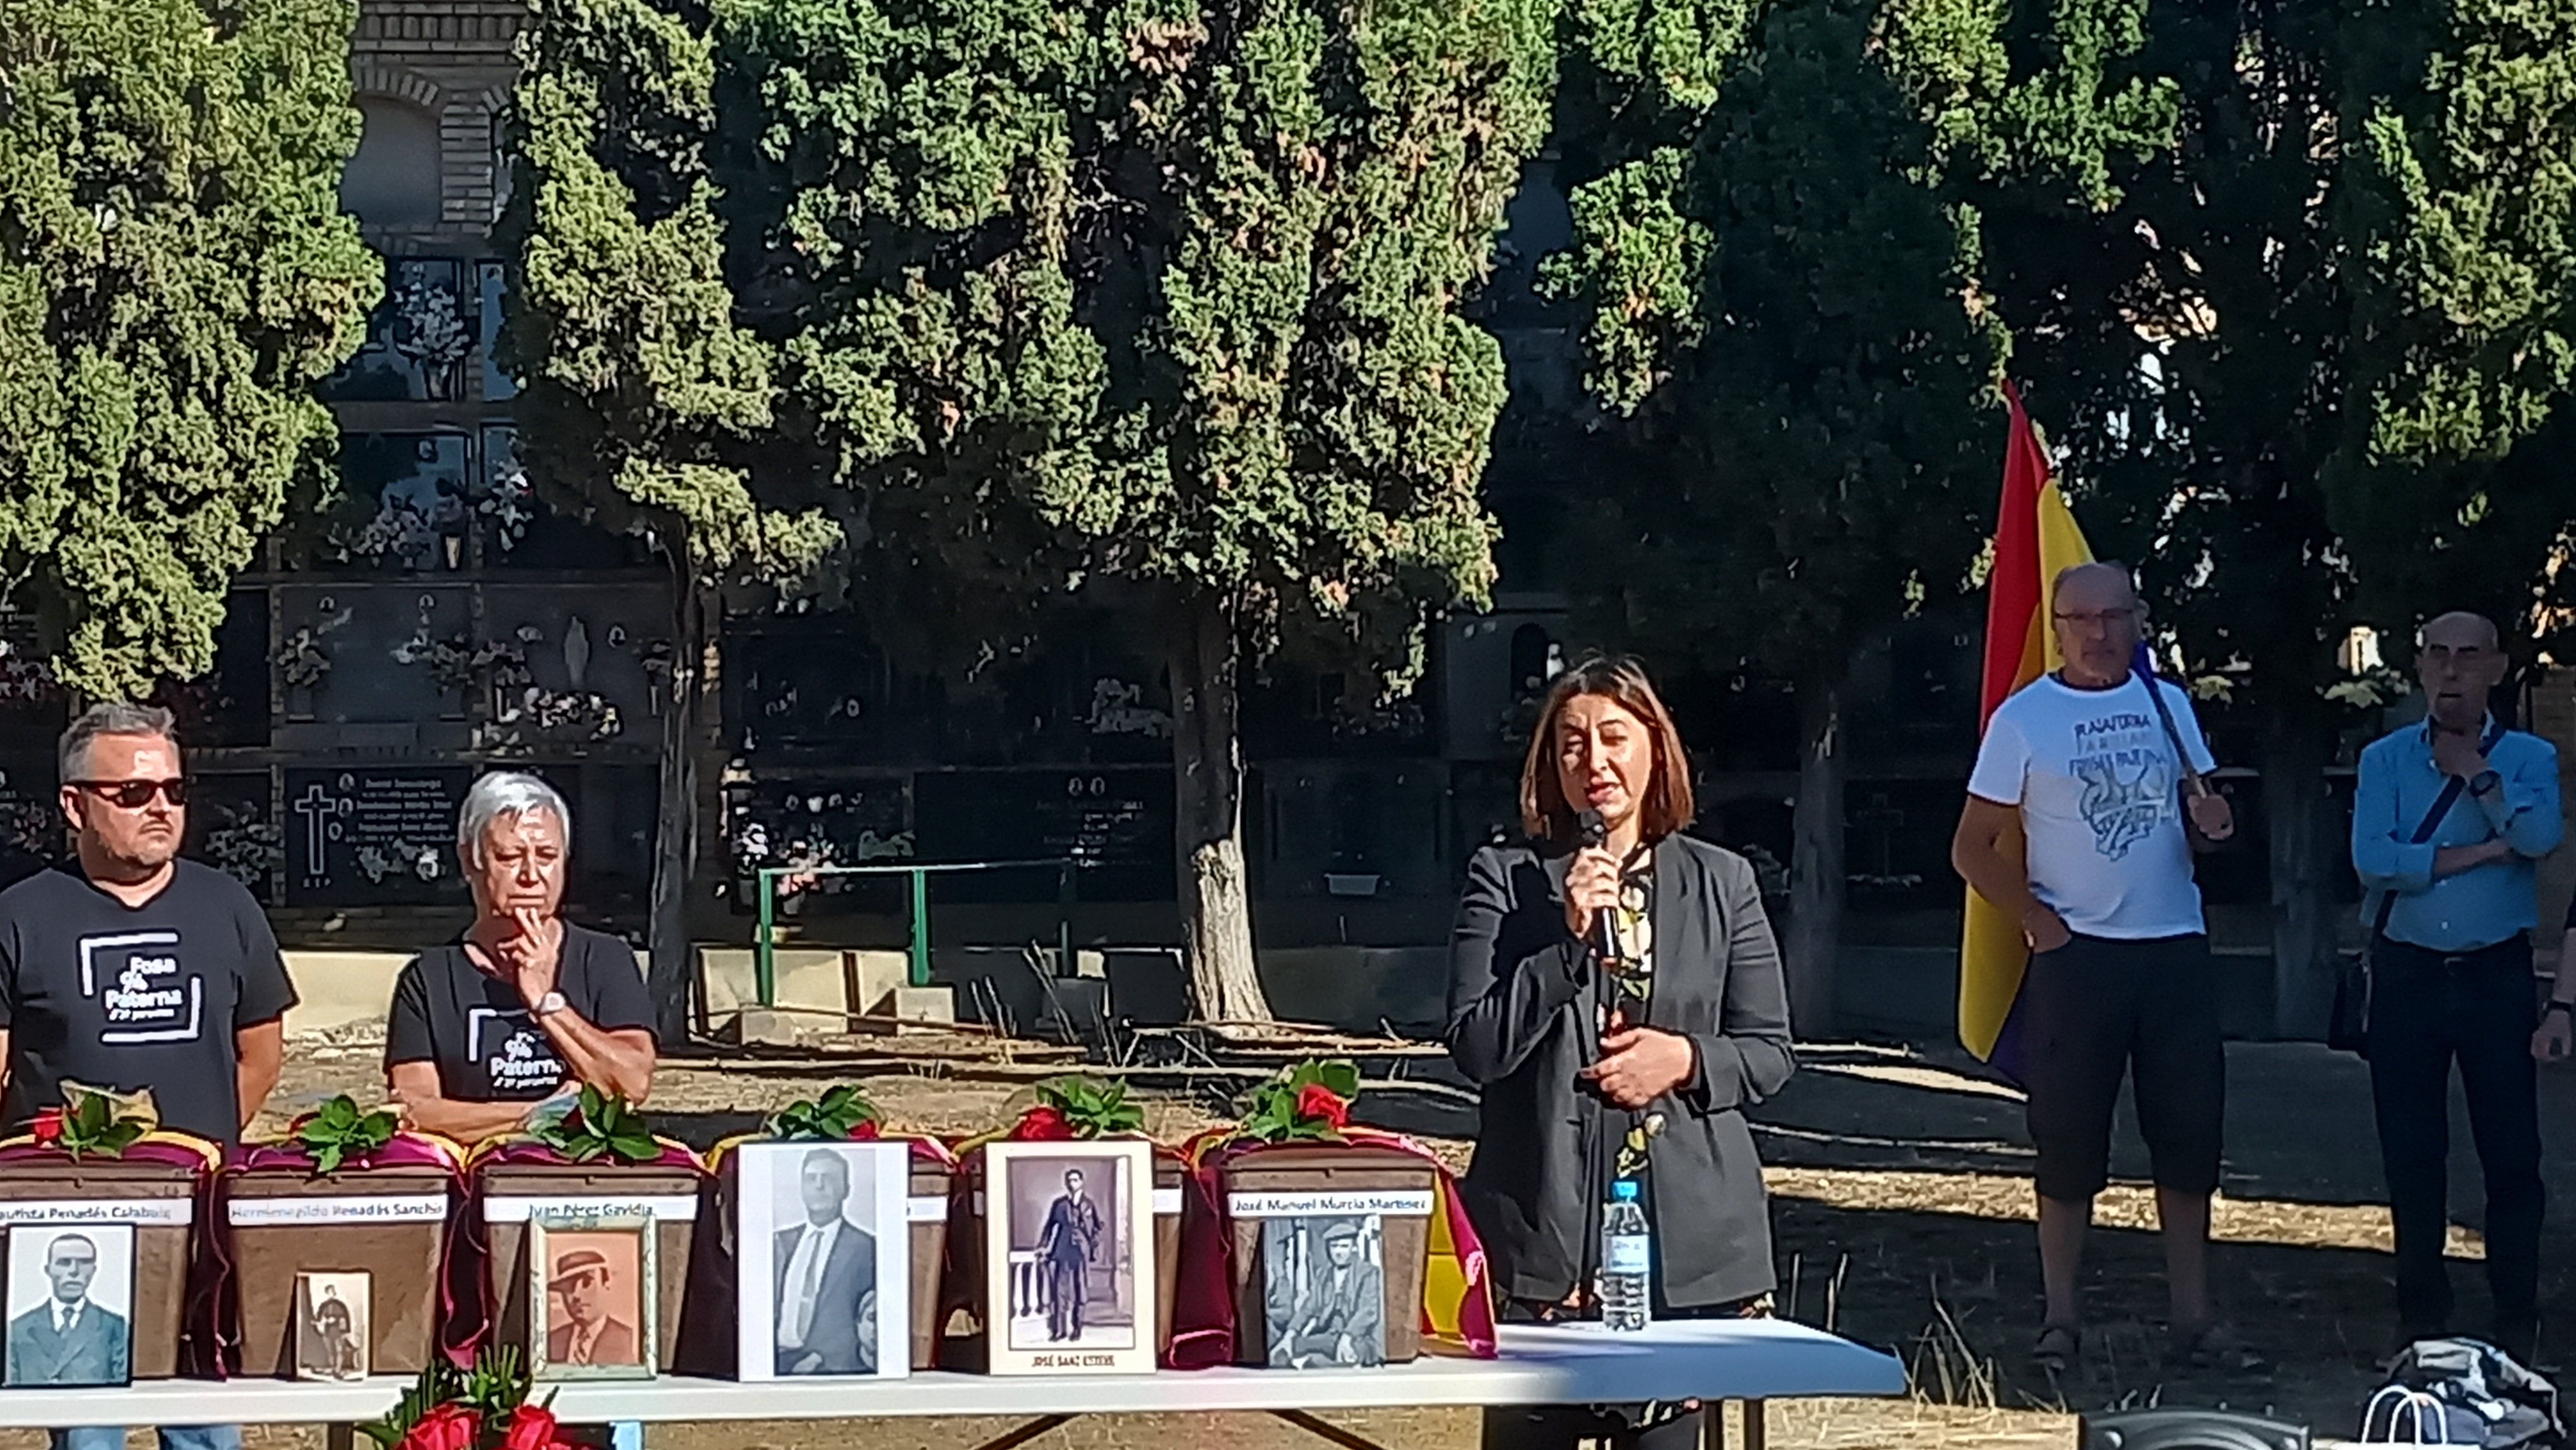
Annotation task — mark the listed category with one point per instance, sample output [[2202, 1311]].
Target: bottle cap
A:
[[1623, 1191]]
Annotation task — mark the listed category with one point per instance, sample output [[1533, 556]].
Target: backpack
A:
[[2462, 1392]]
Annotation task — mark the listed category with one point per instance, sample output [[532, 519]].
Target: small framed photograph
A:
[[1324, 1282], [825, 1259], [334, 1325], [594, 1300], [1069, 1257], [70, 1296]]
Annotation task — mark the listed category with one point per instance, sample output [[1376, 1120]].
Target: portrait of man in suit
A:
[[825, 1282], [1338, 1316], [1068, 1246], [332, 1342], [69, 1339], [588, 1331]]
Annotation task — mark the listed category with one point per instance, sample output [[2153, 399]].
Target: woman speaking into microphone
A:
[[1615, 992]]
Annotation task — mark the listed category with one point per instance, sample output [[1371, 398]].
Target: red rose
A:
[[1317, 1102], [48, 1127], [532, 1427], [864, 1131], [445, 1427], [1043, 1123]]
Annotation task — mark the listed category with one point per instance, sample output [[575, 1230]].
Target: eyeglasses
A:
[[2102, 619], [134, 795]]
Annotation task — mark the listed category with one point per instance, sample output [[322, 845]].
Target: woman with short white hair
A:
[[524, 1006]]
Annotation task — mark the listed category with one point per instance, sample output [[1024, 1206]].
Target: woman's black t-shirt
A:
[[489, 1048]]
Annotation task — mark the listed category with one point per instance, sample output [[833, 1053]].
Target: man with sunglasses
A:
[[126, 967]]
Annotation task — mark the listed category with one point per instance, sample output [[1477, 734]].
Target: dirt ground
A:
[[1902, 1204]]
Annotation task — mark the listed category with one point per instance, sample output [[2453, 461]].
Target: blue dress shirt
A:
[[2468, 909]]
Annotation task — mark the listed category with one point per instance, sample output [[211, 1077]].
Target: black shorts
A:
[[2098, 1009]]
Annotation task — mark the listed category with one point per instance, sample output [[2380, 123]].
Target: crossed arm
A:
[[619, 1061]]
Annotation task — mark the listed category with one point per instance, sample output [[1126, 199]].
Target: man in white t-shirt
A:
[[2101, 781]]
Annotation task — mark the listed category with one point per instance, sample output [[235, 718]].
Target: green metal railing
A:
[[764, 954]]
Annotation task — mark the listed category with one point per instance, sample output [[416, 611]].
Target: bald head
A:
[[2098, 585], [2460, 627], [2459, 659]]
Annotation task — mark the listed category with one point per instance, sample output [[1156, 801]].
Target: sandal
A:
[[2054, 1351], [2216, 1346]]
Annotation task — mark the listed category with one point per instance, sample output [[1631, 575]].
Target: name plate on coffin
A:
[[660, 1207], [341, 1208], [154, 1212], [925, 1208], [1346, 1203]]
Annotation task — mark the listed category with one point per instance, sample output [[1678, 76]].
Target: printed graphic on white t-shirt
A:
[[2098, 785], [143, 988], [2128, 777], [515, 1052]]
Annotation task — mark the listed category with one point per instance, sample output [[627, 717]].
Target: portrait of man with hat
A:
[[589, 1330], [1339, 1315]]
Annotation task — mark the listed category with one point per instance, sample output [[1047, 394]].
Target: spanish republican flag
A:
[[2035, 538]]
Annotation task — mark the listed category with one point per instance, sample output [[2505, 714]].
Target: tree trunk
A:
[[1816, 878], [1207, 767], [2298, 828], [677, 817]]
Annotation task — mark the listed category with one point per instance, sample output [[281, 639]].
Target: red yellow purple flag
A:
[[2035, 538]]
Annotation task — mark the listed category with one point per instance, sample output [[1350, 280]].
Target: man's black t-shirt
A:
[[488, 1046], [135, 997]]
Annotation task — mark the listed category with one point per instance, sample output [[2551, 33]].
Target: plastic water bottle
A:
[[1627, 1260]]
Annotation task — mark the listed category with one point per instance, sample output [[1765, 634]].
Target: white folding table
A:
[[1713, 1361]]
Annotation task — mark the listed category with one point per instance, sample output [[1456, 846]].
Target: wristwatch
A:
[[2557, 1006], [2484, 783], [549, 1004]]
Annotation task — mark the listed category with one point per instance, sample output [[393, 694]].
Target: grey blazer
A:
[[94, 1353], [1523, 1015], [849, 1275]]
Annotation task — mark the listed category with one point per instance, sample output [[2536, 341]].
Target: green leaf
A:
[[1343, 1077], [832, 1117]]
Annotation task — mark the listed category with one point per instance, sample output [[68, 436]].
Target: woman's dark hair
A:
[[1667, 808]]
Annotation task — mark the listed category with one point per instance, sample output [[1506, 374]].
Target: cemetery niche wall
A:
[[430, 620]]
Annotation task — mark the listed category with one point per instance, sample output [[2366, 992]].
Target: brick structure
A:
[[452, 59]]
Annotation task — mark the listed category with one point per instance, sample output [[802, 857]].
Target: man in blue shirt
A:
[[2451, 970]]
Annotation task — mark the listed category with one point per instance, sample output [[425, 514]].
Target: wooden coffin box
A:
[[1167, 1244], [158, 1200], [513, 1192], [1291, 1202], [926, 1209], [389, 1223]]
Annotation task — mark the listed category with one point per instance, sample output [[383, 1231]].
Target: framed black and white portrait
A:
[[334, 1319], [1324, 1282], [70, 1296], [823, 1255], [1069, 1257]]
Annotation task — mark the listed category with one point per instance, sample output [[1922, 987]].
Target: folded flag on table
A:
[[2035, 539]]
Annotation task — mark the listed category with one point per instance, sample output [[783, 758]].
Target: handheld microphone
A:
[[1591, 831]]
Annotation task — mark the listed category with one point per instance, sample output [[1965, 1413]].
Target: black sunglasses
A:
[[134, 795]]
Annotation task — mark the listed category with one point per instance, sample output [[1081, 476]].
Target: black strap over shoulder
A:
[[2450, 796]]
